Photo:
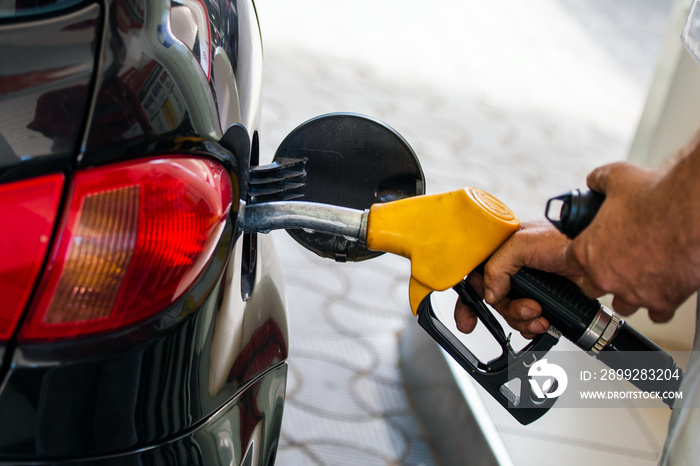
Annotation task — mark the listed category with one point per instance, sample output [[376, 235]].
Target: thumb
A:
[[598, 179], [618, 177]]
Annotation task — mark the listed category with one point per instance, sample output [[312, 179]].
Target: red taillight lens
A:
[[29, 211], [134, 238]]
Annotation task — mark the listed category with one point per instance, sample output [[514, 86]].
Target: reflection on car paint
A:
[[189, 22], [43, 109], [160, 98], [245, 342]]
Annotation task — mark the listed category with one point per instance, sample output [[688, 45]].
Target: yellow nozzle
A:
[[444, 235]]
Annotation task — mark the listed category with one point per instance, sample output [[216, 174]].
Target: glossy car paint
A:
[[45, 89], [201, 382]]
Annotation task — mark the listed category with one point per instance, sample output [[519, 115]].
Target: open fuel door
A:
[[340, 159]]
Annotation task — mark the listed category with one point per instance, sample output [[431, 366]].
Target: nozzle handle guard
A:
[[494, 376]]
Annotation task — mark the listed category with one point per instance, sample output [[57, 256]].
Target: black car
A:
[[139, 324]]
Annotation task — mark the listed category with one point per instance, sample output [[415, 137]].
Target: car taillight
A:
[[134, 238], [29, 210]]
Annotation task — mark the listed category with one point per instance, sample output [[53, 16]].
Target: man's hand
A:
[[642, 246]]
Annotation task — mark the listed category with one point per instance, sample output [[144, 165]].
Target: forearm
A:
[[679, 186]]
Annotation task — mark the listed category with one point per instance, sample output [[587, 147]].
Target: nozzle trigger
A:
[[471, 298]]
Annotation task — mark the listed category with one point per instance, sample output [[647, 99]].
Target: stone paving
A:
[[345, 399], [520, 99]]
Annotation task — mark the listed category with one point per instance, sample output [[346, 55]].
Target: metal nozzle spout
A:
[[322, 218]]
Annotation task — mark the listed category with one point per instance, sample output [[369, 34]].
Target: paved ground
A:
[[520, 99]]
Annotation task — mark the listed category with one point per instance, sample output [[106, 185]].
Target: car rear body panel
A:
[[244, 431], [153, 95], [204, 378], [45, 83]]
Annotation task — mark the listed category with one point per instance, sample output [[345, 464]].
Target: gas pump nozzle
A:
[[446, 237]]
